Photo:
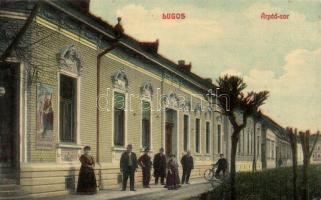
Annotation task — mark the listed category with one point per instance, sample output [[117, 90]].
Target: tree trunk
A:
[[294, 171], [304, 187], [307, 152], [234, 136], [293, 141]]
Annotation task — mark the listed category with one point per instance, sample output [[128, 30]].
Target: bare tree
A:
[[292, 134], [20, 40], [233, 101], [307, 152]]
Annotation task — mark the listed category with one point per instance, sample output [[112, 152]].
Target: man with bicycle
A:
[[221, 165]]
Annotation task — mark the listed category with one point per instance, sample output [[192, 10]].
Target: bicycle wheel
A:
[[209, 174]]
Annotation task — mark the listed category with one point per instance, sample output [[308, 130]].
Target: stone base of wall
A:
[[247, 166], [42, 180], [270, 163]]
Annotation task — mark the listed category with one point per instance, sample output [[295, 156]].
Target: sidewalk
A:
[[197, 187]]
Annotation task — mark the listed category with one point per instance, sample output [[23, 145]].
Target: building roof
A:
[[274, 126], [77, 9], [148, 48]]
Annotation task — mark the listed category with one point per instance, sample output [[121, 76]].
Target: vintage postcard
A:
[[160, 99]]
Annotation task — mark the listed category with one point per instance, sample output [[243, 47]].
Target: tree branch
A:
[[22, 31], [314, 143]]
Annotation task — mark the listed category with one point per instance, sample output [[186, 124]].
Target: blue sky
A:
[[218, 37]]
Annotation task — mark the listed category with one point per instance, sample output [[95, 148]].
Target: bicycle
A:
[[209, 174]]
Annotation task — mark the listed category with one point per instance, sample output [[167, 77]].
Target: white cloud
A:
[[294, 96], [147, 24], [238, 41]]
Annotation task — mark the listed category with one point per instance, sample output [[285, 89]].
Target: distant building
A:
[[316, 155]]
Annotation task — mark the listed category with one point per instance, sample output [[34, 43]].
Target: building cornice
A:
[[130, 47]]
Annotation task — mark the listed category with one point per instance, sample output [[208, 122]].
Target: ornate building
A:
[[69, 79]]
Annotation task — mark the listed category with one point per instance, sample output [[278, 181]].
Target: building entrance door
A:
[[9, 112], [168, 138], [171, 132]]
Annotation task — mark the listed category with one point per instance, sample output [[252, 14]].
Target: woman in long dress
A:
[[87, 180], [172, 178]]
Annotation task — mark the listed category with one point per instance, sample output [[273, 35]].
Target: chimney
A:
[[184, 67], [118, 29], [209, 80], [151, 47], [82, 5], [181, 62]]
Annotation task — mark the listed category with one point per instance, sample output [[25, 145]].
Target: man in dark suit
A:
[[159, 165], [146, 164], [221, 165], [128, 166], [187, 164]]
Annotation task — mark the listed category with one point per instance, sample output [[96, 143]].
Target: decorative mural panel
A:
[[208, 113], [198, 110], [185, 106], [69, 155], [45, 117], [219, 119], [171, 101], [146, 90], [70, 59], [120, 80]]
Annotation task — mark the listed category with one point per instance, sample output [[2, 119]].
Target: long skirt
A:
[[86, 181], [172, 181]]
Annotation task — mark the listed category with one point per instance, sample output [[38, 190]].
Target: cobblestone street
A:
[[197, 187]]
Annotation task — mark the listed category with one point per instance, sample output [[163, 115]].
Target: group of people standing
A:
[[165, 170]]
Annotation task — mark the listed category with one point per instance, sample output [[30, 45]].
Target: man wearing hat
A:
[[128, 166], [145, 163], [187, 164], [160, 166]]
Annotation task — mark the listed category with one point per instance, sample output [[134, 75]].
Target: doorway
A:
[[168, 138], [9, 119], [171, 132]]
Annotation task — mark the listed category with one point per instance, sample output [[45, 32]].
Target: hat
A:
[[146, 149], [87, 148]]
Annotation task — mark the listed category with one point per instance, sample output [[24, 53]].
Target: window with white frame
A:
[[258, 143], [67, 109], [207, 137], [186, 132], [268, 153], [248, 142], [252, 142], [146, 124], [197, 135], [243, 142], [272, 148], [239, 144], [219, 136], [119, 119]]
